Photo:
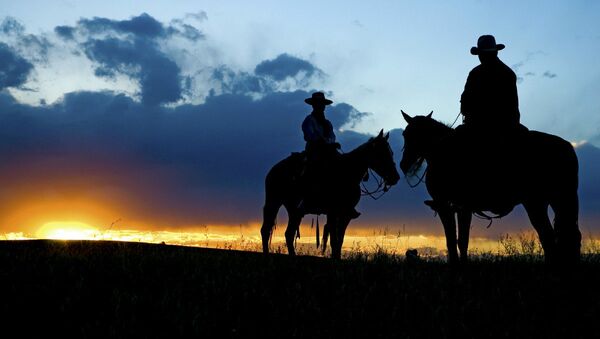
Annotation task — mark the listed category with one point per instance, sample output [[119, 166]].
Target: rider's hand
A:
[[337, 145]]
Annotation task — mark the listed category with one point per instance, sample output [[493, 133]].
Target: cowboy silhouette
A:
[[490, 99], [318, 131], [491, 131], [321, 151]]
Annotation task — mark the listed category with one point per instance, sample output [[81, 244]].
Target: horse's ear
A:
[[430, 114], [380, 134], [387, 136], [407, 117]]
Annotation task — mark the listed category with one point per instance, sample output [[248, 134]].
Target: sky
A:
[[168, 114]]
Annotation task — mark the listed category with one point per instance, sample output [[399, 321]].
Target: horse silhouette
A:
[[536, 170], [282, 187]]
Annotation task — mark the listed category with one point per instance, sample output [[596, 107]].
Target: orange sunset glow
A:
[[67, 230]]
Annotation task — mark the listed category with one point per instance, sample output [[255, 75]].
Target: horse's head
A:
[[418, 139], [381, 159]]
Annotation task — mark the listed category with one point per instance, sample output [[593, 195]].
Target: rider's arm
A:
[[469, 96]]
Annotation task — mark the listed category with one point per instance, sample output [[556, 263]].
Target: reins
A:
[[381, 189], [421, 179], [482, 215], [455, 120]]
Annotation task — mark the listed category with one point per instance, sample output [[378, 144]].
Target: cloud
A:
[[549, 74], [10, 26], [199, 16], [284, 66], [133, 48], [14, 69], [65, 32], [357, 23], [226, 80], [141, 26], [159, 77], [531, 56], [32, 47]]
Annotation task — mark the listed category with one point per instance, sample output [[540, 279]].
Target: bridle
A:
[[382, 186], [381, 189]]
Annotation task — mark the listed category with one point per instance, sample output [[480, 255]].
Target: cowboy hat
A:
[[318, 97], [486, 43]]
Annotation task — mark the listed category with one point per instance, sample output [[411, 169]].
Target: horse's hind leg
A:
[[447, 216], [269, 215], [339, 230], [464, 227], [538, 215], [326, 232], [292, 230], [568, 236]]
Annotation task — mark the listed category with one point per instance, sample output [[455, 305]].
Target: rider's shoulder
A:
[[309, 117], [308, 120]]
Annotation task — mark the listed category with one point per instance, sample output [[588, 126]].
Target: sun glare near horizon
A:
[[67, 230]]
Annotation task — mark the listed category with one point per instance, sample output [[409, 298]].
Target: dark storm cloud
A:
[[65, 32], [221, 150], [13, 68], [143, 26], [140, 26], [132, 48], [353, 115], [159, 77], [229, 81], [284, 66]]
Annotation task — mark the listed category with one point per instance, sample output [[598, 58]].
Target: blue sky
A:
[[152, 87]]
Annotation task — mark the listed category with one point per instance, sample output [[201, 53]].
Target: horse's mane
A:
[[362, 146], [437, 127]]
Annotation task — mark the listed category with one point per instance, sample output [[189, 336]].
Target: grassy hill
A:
[[116, 289]]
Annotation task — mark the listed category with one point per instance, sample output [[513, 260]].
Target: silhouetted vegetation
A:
[[116, 289]]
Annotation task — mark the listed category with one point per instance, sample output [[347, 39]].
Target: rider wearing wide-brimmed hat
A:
[[490, 98], [318, 131], [321, 151]]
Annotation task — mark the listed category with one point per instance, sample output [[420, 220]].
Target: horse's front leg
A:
[[341, 224], [447, 216], [464, 226]]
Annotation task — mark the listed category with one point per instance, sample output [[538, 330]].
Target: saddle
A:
[[488, 168], [317, 182]]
